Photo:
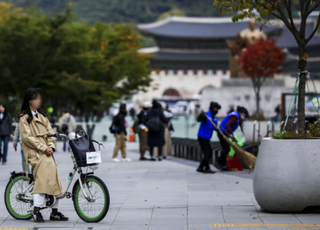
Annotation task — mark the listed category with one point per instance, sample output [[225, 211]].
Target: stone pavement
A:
[[167, 195]]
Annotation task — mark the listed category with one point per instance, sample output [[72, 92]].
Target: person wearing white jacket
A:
[[67, 124]]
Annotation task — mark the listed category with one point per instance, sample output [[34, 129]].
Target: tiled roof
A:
[[210, 28], [197, 27]]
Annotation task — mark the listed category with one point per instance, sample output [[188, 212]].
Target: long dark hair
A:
[[5, 109], [156, 105], [29, 94], [123, 109]]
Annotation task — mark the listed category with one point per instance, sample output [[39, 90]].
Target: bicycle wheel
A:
[[13, 197], [96, 209]]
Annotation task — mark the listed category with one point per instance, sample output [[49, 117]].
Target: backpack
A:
[[64, 127], [154, 125], [135, 126], [112, 128]]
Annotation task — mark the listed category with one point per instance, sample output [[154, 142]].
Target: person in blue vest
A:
[[204, 135], [227, 126]]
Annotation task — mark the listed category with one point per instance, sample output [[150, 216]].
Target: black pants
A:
[[65, 143], [222, 161], [206, 151], [3, 154], [159, 151]]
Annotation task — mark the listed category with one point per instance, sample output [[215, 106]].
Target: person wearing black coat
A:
[[120, 134], [5, 132], [143, 130], [156, 139]]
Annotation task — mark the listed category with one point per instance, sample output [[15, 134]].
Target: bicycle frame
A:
[[75, 169]]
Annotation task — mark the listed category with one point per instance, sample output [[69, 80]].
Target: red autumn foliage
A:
[[262, 59]]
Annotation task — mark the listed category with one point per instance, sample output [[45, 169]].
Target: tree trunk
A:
[[256, 83], [302, 66], [257, 102]]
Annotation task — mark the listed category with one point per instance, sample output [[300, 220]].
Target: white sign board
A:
[[93, 157]]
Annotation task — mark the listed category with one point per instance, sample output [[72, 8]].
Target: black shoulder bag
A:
[[81, 145]]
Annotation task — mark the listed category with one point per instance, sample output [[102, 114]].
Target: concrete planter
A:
[[287, 175]]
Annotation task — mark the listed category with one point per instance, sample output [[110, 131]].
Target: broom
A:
[[247, 158]]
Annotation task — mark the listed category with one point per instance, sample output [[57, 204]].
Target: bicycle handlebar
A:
[[52, 135], [58, 135]]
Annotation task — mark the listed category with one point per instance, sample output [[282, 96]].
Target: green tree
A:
[[79, 66], [282, 10], [98, 64], [28, 43]]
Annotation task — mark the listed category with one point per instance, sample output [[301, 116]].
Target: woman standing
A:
[[5, 132], [38, 149], [155, 122], [120, 124]]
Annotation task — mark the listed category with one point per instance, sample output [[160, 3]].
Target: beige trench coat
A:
[[34, 143]]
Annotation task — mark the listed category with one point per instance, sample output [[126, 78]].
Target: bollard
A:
[[254, 134], [268, 128]]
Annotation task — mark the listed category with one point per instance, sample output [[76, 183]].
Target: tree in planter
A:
[[282, 10], [260, 61]]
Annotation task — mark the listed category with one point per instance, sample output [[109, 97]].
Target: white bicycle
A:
[[90, 195]]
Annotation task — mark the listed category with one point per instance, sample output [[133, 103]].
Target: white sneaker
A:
[[126, 159], [115, 159]]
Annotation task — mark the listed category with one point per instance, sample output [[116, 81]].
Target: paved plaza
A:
[[167, 195]]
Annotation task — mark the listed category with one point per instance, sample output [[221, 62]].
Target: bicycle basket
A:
[[80, 146]]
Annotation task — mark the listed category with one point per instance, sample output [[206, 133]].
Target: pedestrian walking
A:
[[277, 111], [143, 130], [54, 126], [34, 127], [155, 122], [132, 113], [67, 124], [5, 132], [120, 131], [205, 132], [16, 140], [167, 148], [228, 159]]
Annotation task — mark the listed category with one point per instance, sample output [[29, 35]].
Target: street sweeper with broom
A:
[[229, 160], [208, 125]]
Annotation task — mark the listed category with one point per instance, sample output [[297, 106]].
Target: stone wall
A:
[[188, 84]]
